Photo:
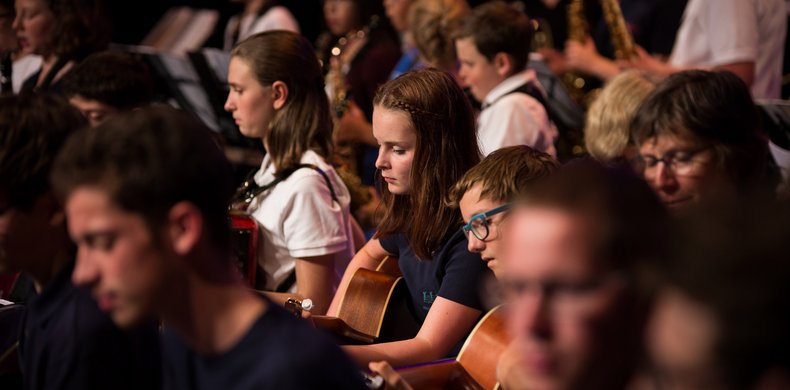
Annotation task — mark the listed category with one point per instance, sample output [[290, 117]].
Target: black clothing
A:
[[279, 352]]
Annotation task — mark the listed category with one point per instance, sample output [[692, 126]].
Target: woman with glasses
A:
[[425, 130], [698, 136]]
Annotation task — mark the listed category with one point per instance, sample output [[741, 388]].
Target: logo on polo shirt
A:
[[427, 299]]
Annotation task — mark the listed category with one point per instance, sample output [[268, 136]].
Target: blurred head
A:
[[425, 129], [70, 29], [344, 16], [107, 83], [146, 196], [570, 262], [698, 134], [722, 316], [433, 23], [607, 128], [288, 110], [503, 175], [492, 45], [398, 13], [32, 130]]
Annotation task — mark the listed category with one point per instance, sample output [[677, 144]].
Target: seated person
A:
[[481, 194], [146, 195], [16, 64], [67, 342], [296, 196], [723, 310], [107, 83], [698, 135], [493, 49], [74, 30], [425, 128], [570, 259]]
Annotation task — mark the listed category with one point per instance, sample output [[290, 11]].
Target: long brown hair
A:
[[304, 122], [446, 148]]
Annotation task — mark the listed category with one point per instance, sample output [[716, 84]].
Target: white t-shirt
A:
[[298, 218], [722, 32], [22, 69], [514, 119], [276, 18]]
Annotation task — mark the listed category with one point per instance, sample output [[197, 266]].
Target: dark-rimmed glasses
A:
[[679, 161], [478, 224]]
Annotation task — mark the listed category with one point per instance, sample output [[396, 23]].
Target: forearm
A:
[[396, 353], [602, 68]]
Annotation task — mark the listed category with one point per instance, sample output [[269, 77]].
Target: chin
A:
[[126, 319], [397, 190]]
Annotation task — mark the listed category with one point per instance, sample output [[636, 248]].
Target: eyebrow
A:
[[94, 234]]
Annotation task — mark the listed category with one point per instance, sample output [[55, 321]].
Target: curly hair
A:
[[432, 24]]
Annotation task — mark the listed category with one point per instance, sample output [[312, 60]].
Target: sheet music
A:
[[180, 71]]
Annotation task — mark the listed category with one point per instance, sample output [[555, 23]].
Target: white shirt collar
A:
[[511, 83]]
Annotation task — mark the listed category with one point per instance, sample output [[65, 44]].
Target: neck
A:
[[253, 6], [213, 316]]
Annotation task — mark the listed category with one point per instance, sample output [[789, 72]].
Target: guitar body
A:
[[374, 309], [244, 243], [475, 366]]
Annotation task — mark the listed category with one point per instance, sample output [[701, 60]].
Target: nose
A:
[[230, 102], [17, 23], [664, 179], [382, 162], [86, 272], [474, 244], [531, 315]]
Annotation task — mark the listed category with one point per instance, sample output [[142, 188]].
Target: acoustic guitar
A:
[[475, 366], [375, 308]]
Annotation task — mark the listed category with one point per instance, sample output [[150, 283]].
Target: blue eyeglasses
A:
[[478, 224]]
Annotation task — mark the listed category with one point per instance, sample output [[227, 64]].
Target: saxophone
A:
[[577, 31], [622, 40]]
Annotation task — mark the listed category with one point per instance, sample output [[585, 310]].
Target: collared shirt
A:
[[510, 119], [68, 343], [721, 32]]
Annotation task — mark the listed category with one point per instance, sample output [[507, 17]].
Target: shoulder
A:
[[299, 356], [394, 243]]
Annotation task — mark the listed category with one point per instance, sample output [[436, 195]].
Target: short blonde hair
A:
[[433, 24], [606, 132]]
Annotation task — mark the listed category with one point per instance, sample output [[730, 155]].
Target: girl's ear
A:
[[279, 94]]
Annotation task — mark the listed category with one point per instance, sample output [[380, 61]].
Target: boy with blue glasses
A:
[[484, 191]]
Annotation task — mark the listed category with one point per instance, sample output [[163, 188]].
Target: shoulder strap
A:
[[249, 189], [533, 91], [50, 76]]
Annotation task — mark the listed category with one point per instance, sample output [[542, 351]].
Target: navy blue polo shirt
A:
[[453, 273], [68, 343], [278, 352]]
